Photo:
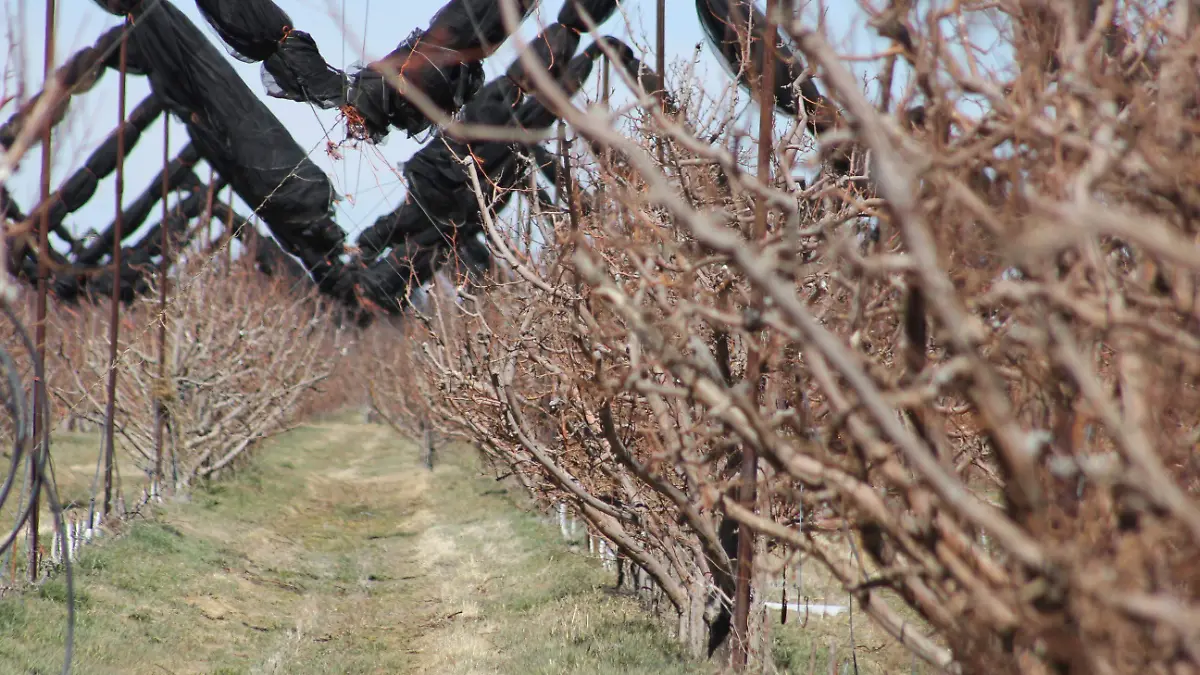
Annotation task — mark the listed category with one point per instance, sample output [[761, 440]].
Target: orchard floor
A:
[[336, 552]]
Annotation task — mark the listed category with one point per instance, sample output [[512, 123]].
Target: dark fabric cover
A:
[[599, 10], [298, 72], [438, 183], [179, 176], [137, 261], [474, 257], [473, 28], [9, 210], [293, 67], [724, 20], [81, 185], [120, 7], [240, 138], [268, 257], [442, 212], [79, 75], [443, 61], [553, 49], [252, 28]]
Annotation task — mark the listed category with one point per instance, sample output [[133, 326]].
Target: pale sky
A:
[[343, 29]]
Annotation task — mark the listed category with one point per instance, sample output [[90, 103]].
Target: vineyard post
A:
[[164, 265], [747, 493], [661, 65], [114, 322], [228, 236], [41, 440]]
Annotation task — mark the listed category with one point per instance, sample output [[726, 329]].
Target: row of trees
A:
[[965, 345]]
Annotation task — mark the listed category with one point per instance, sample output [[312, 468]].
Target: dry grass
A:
[[336, 552]]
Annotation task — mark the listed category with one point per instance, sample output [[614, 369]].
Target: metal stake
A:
[[114, 322], [40, 425], [748, 493], [164, 266]]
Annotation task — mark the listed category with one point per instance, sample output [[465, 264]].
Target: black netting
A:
[[78, 75], [179, 176], [442, 217], [553, 49], [81, 185], [473, 28], [298, 72], [269, 258], [725, 20], [443, 62], [75, 282], [442, 210], [239, 137], [599, 10], [9, 210], [252, 28]]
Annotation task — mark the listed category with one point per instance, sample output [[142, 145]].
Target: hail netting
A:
[[440, 197], [443, 61], [136, 261], [78, 75], [180, 175], [239, 137], [442, 212], [728, 24], [81, 185]]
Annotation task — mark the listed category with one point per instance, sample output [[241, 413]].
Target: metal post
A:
[[748, 493], [40, 438], [661, 66], [228, 237], [164, 265], [114, 322], [206, 223]]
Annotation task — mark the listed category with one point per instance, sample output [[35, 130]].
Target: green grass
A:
[[335, 552]]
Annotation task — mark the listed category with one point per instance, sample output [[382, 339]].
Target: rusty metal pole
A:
[[661, 65], [41, 439], [748, 492], [164, 266], [114, 322], [228, 236]]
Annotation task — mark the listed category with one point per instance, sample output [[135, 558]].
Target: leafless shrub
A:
[[242, 352]]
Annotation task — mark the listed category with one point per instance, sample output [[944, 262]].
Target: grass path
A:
[[336, 553]]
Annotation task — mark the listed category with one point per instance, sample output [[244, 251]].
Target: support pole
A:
[[164, 265], [748, 492], [114, 322], [660, 64], [228, 234], [41, 439]]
